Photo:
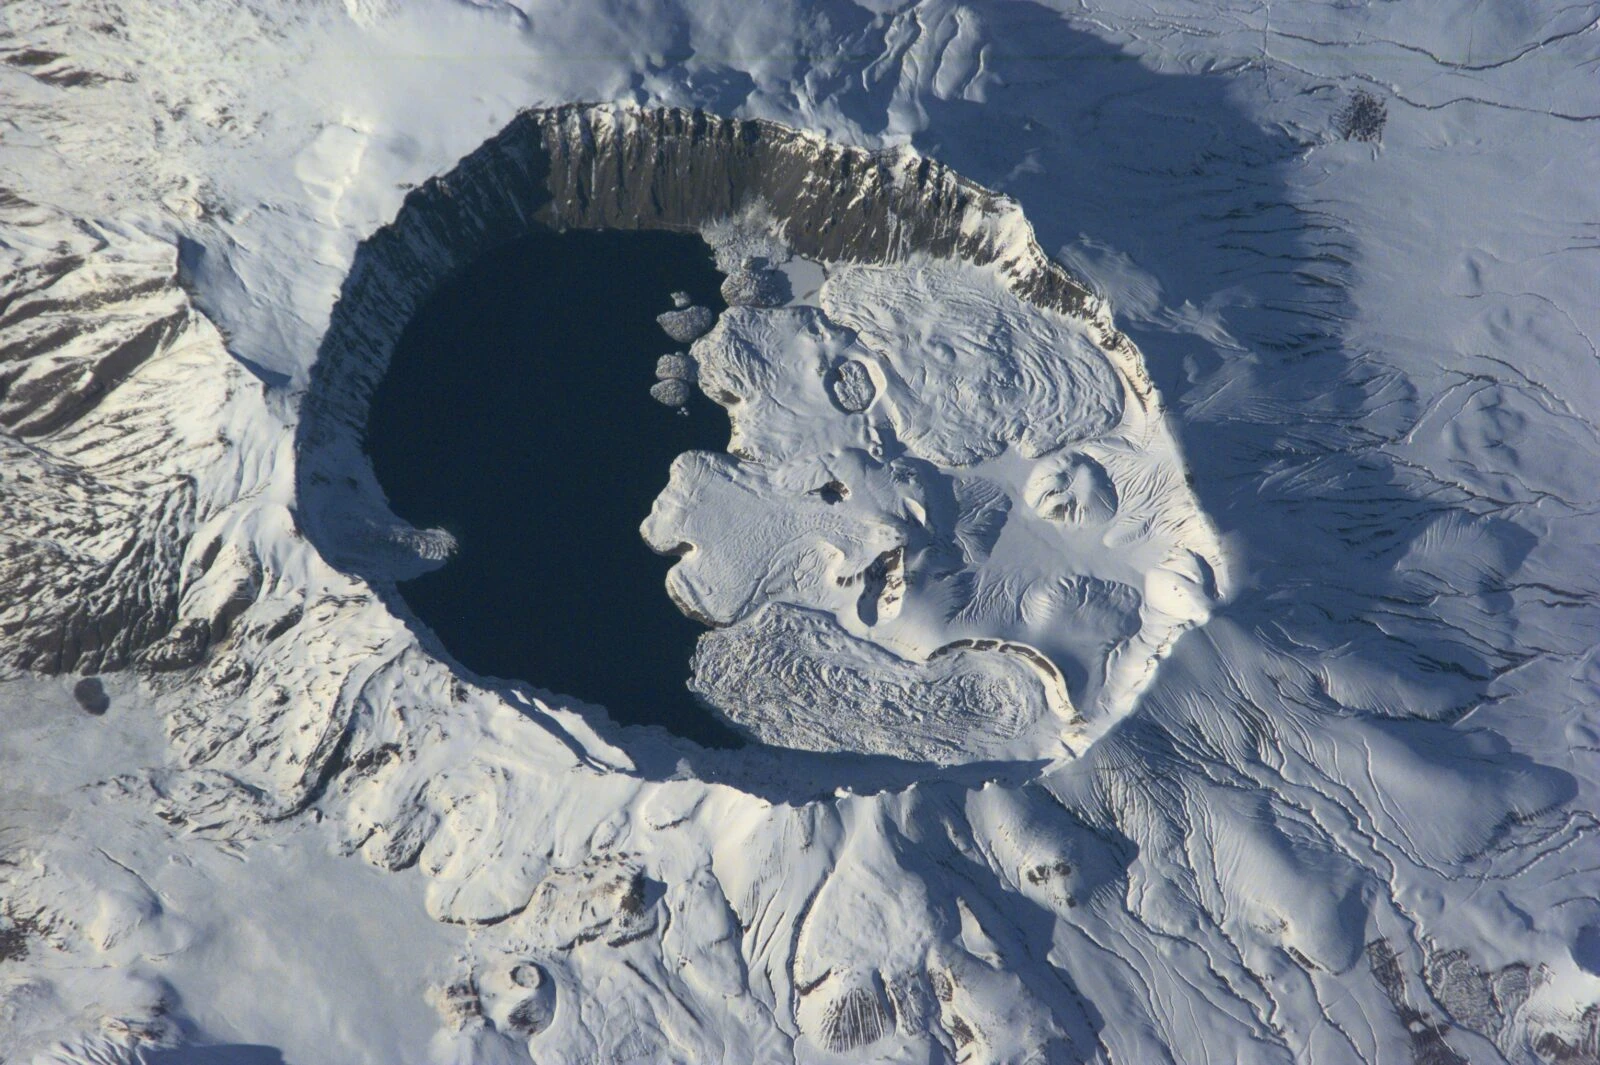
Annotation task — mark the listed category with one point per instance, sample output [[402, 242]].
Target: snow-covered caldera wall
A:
[[952, 526]]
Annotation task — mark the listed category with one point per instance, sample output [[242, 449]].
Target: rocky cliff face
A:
[[93, 566], [605, 167], [96, 504]]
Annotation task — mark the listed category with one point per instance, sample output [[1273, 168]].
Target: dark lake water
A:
[[516, 414]]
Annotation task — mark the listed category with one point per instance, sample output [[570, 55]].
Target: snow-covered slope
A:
[[1339, 808]]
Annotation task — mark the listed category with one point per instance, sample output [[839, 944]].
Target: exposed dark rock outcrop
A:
[[77, 320], [606, 167], [754, 284], [90, 694], [68, 607], [854, 1020], [92, 536]]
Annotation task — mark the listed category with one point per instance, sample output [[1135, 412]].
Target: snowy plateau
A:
[[1155, 561]]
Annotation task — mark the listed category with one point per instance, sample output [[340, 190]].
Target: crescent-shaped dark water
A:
[[516, 414]]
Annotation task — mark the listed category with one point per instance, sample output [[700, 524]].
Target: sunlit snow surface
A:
[[1349, 817], [992, 493]]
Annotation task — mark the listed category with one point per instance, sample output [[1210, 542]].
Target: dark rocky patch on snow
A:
[[91, 695]]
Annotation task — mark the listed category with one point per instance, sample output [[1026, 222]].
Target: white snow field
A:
[[1166, 587]]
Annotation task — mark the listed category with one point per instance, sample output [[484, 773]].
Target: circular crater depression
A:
[[513, 302]]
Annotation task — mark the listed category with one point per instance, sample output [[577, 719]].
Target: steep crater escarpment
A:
[[600, 167], [936, 368], [899, 419]]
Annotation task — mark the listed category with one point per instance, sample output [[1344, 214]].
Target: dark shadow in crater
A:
[[516, 414], [585, 168]]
